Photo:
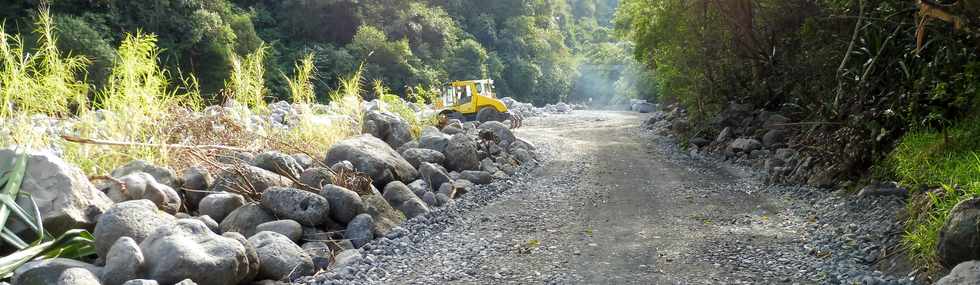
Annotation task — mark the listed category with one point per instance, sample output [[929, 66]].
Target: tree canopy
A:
[[532, 48]]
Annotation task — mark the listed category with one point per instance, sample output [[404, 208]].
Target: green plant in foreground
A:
[[72, 244], [932, 158]]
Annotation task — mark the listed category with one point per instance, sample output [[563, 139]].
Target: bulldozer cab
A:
[[473, 100], [467, 96]]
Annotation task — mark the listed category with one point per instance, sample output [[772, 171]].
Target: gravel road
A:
[[613, 204]]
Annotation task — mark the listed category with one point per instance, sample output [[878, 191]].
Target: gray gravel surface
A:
[[612, 204]]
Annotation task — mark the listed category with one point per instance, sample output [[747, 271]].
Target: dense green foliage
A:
[[850, 69], [532, 48]]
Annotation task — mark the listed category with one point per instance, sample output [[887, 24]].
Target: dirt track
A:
[[612, 204]]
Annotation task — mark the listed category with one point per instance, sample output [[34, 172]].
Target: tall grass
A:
[[43, 82], [927, 158], [346, 100], [301, 85], [247, 81]]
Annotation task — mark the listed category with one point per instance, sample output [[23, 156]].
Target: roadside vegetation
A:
[[878, 91]]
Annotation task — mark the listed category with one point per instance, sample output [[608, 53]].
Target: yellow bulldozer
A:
[[473, 100]]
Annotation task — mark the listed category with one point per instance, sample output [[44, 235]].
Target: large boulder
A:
[[959, 238], [244, 220], [136, 219], [161, 174], [344, 204], [189, 250], [48, 271], [370, 155], [499, 130], [461, 153], [64, 196], [279, 163], [360, 230], [280, 258], [246, 178], [434, 175], [387, 126], [124, 262], [220, 205], [416, 156], [141, 185], [305, 207], [964, 273], [402, 198], [433, 139]]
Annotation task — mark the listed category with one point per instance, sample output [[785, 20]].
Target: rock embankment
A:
[[265, 217]]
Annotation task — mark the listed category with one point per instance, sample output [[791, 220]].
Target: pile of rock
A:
[[747, 135], [528, 110], [270, 216]]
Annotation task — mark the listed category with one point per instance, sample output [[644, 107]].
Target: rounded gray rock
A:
[[305, 207], [280, 258], [959, 238], [208, 221], [964, 273], [344, 204], [374, 157], [477, 177], [48, 271], [279, 163], [77, 276], [317, 177], [503, 132], [320, 252], [360, 230], [461, 153], [136, 219], [289, 228], [250, 254], [430, 199], [399, 196], [244, 219], [220, 205], [416, 156], [141, 185], [189, 250], [196, 179], [433, 175], [124, 262]]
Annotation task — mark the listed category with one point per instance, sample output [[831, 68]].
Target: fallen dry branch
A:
[[82, 140]]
